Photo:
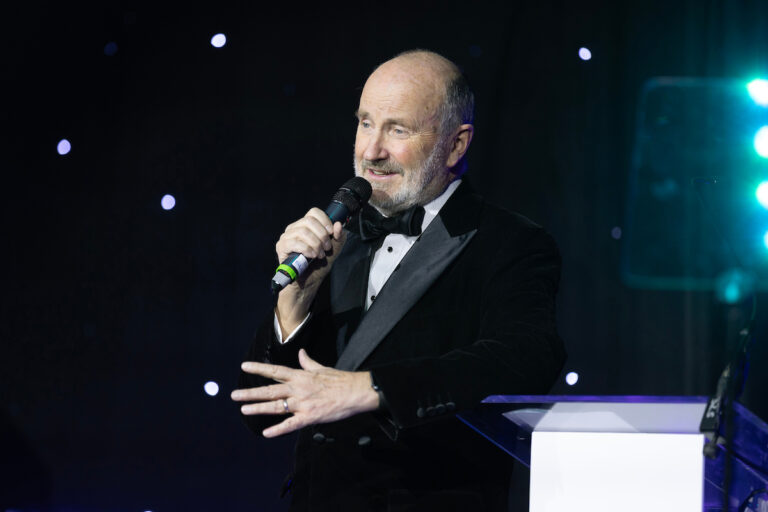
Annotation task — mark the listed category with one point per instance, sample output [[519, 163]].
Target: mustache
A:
[[381, 165]]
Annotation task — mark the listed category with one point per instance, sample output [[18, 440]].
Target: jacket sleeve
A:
[[516, 349]]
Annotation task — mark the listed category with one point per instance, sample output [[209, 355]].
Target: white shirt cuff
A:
[[279, 332]]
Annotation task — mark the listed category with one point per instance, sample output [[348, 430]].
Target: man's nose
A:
[[375, 148]]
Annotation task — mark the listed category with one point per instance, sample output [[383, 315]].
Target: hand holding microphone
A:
[[309, 237], [316, 236]]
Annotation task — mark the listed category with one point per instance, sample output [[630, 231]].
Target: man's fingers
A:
[[307, 362], [261, 393], [302, 240], [271, 407], [338, 229], [288, 425], [322, 218], [272, 371], [309, 228]]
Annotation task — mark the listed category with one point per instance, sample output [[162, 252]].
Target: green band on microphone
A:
[[288, 270]]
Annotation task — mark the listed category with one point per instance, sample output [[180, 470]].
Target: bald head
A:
[[426, 64], [448, 87], [411, 141]]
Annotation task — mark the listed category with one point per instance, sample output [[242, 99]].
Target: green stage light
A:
[[761, 142]]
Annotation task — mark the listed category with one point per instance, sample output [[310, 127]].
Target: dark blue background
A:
[[114, 312]]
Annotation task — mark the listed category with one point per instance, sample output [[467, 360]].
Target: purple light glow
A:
[[585, 54], [616, 233], [572, 378], [168, 202], [63, 147], [211, 388], [218, 40]]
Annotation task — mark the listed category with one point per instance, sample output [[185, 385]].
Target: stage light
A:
[[211, 388], [762, 194], [168, 202], [734, 284], [63, 147], [218, 40], [758, 90], [616, 233], [761, 142], [765, 239], [572, 378], [585, 54]]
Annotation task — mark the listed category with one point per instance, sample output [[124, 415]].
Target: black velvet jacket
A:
[[469, 312]]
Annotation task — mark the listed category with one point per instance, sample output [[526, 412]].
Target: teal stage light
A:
[[762, 194], [765, 239], [758, 90], [734, 285], [761, 142]]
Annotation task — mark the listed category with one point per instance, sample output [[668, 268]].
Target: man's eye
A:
[[365, 124], [398, 131]]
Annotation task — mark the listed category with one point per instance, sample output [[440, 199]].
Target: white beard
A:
[[419, 186]]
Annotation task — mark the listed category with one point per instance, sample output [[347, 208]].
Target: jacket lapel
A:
[[349, 284], [437, 247]]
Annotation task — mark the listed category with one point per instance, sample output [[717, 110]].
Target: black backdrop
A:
[[115, 312]]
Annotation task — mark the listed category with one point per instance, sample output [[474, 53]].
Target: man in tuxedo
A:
[[431, 300]]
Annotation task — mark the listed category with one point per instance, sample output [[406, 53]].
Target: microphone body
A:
[[345, 203]]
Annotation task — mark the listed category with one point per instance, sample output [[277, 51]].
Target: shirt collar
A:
[[432, 208]]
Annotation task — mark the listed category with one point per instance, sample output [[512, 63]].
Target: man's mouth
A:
[[377, 172]]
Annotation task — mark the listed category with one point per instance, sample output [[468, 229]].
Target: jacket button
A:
[[420, 412], [431, 411], [440, 409], [364, 441], [450, 406], [318, 438]]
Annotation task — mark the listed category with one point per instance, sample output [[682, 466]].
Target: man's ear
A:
[[460, 144]]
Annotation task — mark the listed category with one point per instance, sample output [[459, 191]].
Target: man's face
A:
[[397, 147]]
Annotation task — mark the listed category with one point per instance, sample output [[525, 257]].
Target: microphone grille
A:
[[353, 193]]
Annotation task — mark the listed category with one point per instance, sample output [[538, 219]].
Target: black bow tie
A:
[[370, 224]]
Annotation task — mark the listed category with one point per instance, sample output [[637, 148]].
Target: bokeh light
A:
[[63, 147], [218, 40], [168, 202], [761, 142], [211, 388], [762, 194], [616, 233], [758, 91], [110, 49], [572, 378], [733, 285], [585, 54]]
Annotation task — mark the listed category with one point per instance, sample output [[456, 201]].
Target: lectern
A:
[[622, 453]]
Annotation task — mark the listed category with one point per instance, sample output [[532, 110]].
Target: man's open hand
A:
[[314, 394]]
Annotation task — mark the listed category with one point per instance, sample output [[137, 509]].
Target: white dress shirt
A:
[[388, 256]]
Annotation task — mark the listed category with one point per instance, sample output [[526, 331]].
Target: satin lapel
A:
[[349, 284], [423, 263]]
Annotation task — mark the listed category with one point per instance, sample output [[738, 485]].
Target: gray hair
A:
[[458, 106]]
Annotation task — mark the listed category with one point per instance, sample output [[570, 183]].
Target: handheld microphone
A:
[[346, 201]]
